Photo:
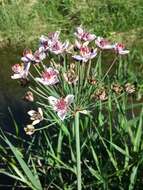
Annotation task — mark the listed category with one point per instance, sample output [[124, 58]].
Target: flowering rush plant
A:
[[72, 86]]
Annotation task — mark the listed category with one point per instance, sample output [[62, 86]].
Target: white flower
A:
[[36, 116], [83, 35], [39, 55], [49, 77], [20, 70], [120, 49], [103, 43], [61, 105]]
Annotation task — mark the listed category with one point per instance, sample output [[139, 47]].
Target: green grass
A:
[[22, 22]]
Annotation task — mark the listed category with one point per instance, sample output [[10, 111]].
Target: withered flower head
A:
[[70, 77], [28, 96], [36, 116], [92, 81], [100, 94], [72, 66], [130, 88], [117, 88], [29, 129], [24, 82]]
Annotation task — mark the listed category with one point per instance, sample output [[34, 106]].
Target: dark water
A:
[[11, 94]]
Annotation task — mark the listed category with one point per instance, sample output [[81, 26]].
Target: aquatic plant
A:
[[85, 128]]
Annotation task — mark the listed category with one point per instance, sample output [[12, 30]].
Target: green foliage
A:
[[24, 21]]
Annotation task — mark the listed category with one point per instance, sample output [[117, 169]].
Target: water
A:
[[11, 94]]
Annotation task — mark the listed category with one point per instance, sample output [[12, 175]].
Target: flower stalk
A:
[[78, 156]]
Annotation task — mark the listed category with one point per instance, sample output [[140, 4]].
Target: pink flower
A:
[[58, 47], [53, 44], [83, 35], [61, 105], [49, 77], [54, 36], [39, 55], [120, 49], [103, 43], [20, 70], [86, 53], [27, 56], [46, 42]]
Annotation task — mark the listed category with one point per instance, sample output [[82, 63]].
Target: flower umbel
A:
[[61, 105]]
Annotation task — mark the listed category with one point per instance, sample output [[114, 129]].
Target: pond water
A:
[[11, 92]]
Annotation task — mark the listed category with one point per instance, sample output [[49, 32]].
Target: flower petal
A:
[[79, 58], [52, 100], [69, 99], [77, 44], [124, 52], [61, 115], [16, 76], [31, 112], [40, 111], [35, 122]]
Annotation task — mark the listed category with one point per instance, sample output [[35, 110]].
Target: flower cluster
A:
[[84, 49], [53, 44]]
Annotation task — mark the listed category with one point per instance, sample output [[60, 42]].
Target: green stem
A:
[[114, 61], [59, 147], [78, 156], [88, 73]]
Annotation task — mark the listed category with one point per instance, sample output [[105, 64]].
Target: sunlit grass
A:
[[23, 21]]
